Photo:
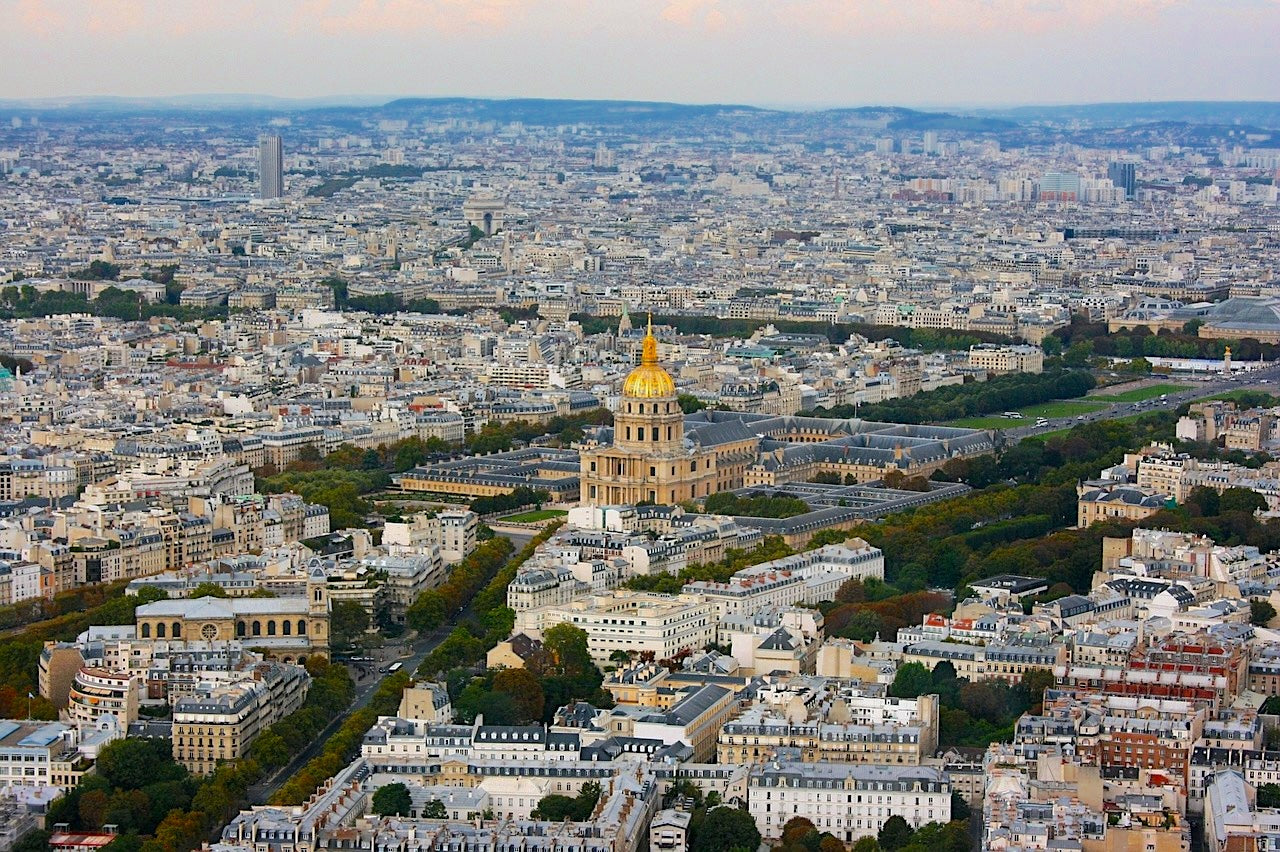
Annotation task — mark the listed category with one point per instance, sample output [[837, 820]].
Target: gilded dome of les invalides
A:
[[649, 380]]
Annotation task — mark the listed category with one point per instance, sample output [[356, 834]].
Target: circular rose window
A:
[[209, 631]]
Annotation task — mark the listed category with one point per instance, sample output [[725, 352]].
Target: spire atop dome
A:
[[649, 380], [649, 351]]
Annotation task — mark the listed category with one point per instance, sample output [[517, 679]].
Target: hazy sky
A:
[[773, 52]]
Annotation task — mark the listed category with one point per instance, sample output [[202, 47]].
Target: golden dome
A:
[[649, 380]]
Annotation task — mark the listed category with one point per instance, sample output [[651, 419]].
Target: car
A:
[[1079, 416]]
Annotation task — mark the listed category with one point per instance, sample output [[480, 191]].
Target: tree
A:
[[434, 809], [851, 590], [566, 649], [130, 763], [525, 692], [1035, 682], [796, 828], [1269, 796], [894, 834], [1241, 500], [690, 403], [393, 800], [33, 841], [911, 681], [347, 621], [959, 807], [557, 808], [554, 808], [723, 829], [1261, 613], [869, 843], [93, 809], [208, 590], [427, 612], [863, 625]]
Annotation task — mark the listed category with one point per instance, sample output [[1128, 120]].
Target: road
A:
[[410, 656], [1253, 380]]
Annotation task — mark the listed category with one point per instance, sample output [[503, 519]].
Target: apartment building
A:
[[221, 722], [97, 691], [807, 577], [1006, 359], [49, 754], [990, 662], [848, 800], [630, 621], [846, 729]]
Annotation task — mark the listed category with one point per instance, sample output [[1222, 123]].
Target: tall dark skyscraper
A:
[[1125, 176], [270, 167]]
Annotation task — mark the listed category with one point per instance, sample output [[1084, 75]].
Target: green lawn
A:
[[1060, 408], [1139, 394], [534, 517]]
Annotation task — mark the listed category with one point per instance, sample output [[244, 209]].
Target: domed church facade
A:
[[649, 459]]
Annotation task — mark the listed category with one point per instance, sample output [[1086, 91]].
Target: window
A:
[[160, 630], [286, 627], [146, 631], [177, 630], [257, 628], [655, 433], [653, 470], [240, 628], [302, 627]]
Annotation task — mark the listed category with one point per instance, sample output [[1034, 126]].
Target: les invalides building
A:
[[650, 459]]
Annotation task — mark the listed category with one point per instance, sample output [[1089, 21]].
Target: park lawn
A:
[[1140, 394], [1060, 408], [534, 517]]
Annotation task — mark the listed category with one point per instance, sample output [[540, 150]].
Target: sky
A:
[[793, 53]]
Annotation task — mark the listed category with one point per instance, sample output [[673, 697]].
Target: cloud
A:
[[337, 17], [38, 19]]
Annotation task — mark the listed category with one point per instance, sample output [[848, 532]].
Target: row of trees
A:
[[999, 393], [343, 746], [20, 653], [516, 499], [927, 340], [63, 603], [434, 607], [496, 437], [25, 301], [340, 479], [468, 643], [1082, 340], [755, 505]]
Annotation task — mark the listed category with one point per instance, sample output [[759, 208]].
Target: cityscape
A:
[[462, 472]]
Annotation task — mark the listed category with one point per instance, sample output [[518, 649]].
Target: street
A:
[[1197, 390], [365, 685]]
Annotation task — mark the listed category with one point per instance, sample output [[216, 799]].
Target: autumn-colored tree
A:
[[525, 691]]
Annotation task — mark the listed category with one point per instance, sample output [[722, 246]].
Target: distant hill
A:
[[1264, 114], [561, 111], [1208, 123]]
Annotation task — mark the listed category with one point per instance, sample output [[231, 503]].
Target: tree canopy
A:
[[392, 800]]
